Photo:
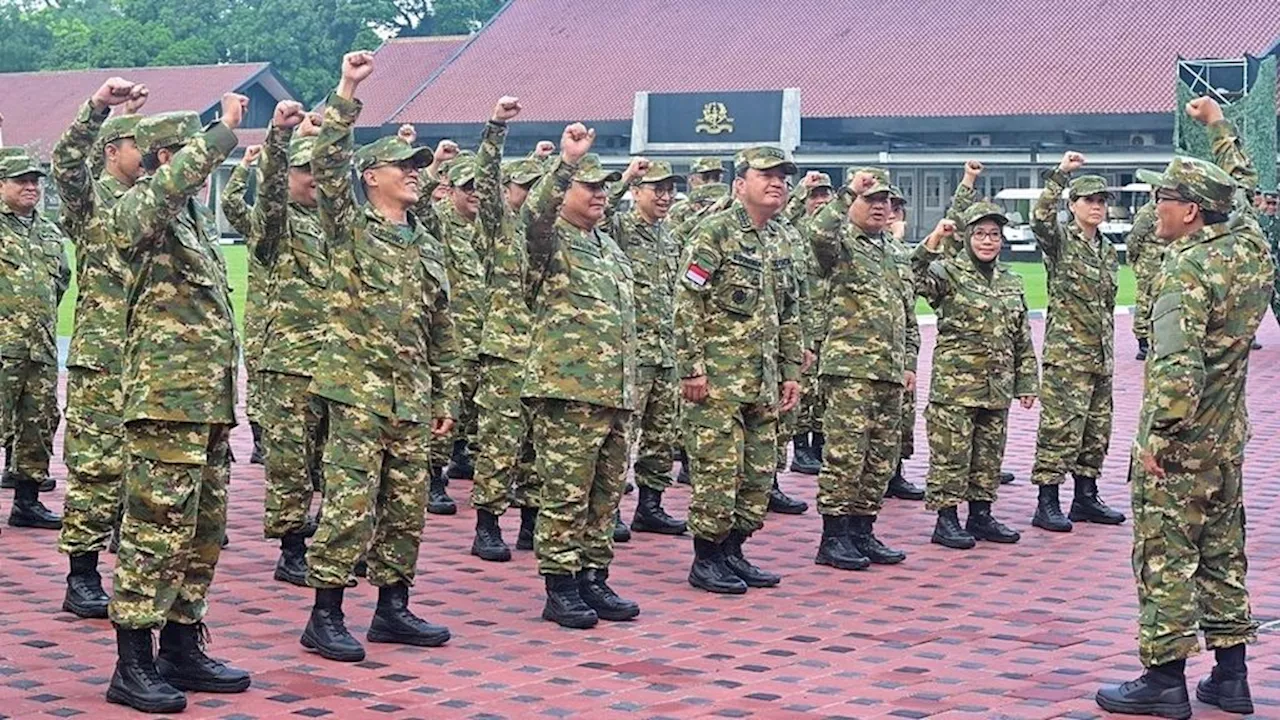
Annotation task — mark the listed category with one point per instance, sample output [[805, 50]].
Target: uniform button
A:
[[739, 296]]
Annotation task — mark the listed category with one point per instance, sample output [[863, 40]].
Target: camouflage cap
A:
[[300, 149], [1087, 185], [11, 151], [763, 157], [882, 184], [707, 164], [462, 170], [895, 194], [591, 171], [659, 171], [824, 181], [118, 127], [155, 132], [16, 166], [1197, 181], [984, 211], [522, 172], [390, 150]]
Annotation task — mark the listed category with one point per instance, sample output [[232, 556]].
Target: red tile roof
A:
[[403, 66], [585, 59], [38, 106]]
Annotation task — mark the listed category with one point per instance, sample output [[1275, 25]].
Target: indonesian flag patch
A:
[[697, 275]]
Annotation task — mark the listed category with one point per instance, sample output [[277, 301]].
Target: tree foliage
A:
[[302, 38]]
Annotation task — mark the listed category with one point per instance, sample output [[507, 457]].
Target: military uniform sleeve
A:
[[1044, 216], [493, 207], [1229, 154], [272, 206], [70, 169], [791, 337], [235, 206], [613, 201], [929, 274], [701, 262], [443, 353], [1141, 234], [824, 234], [541, 210], [1026, 378], [331, 160], [913, 332], [146, 210], [961, 200], [63, 283], [795, 209]]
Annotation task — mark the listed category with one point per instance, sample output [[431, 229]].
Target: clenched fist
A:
[[1071, 162], [636, 169], [115, 91], [251, 154], [1205, 110], [234, 106], [576, 142], [543, 149], [288, 114], [944, 229], [507, 108], [407, 133]]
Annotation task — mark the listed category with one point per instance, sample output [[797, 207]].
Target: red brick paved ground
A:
[[1026, 632]]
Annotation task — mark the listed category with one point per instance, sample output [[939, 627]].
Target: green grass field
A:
[[238, 268]]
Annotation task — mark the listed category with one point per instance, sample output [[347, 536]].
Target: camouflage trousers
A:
[[29, 415], [732, 450], [654, 423], [93, 448], [504, 464], [1189, 561], [292, 444], [1075, 424], [862, 449], [376, 472], [581, 451], [812, 405], [907, 447], [795, 421], [175, 514], [466, 428], [966, 448]]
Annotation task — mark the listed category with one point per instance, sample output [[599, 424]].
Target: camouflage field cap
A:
[[155, 132], [882, 184], [706, 164], [763, 157], [300, 149], [522, 172], [591, 171], [390, 150], [659, 171], [1197, 181], [16, 166], [1087, 185], [462, 171], [11, 151], [984, 211], [895, 194], [118, 127]]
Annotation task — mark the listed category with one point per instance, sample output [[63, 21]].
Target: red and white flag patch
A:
[[697, 275]]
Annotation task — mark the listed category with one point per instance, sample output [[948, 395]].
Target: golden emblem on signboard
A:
[[715, 119]]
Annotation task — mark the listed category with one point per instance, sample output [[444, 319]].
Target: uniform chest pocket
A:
[[54, 258], [378, 268], [194, 262], [436, 285], [646, 266], [739, 290], [589, 275], [310, 259]]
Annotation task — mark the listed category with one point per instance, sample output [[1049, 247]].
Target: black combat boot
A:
[[85, 596], [866, 543], [621, 533], [780, 502], [901, 488], [818, 447], [528, 523], [136, 682], [682, 477], [488, 544], [460, 467], [28, 511], [1160, 691], [292, 565], [1227, 687], [438, 500], [741, 566], [311, 525], [983, 526], [596, 593], [804, 461], [326, 631], [394, 623], [650, 517], [565, 606], [836, 547], [183, 663], [1142, 350], [948, 533], [257, 456], [362, 567], [1007, 477], [1049, 511], [1086, 506], [709, 571]]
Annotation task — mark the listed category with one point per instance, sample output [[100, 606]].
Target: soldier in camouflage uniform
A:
[[1188, 496], [180, 359], [1142, 253], [1269, 220], [34, 274], [868, 360], [1079, 347], [257, 306], [738, 353], [899, 487], [93, 441], [390, 336], [579, 381], [503, 469], [983, 359]]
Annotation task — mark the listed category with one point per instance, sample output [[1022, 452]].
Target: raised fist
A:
[[1071, 162], [288, 114], [310, 125], [973, 168], [136, 100], [115, 91], [234, 107], [445, 150], [407, 133], [635, 169], [1204, 110], [543, 149], [576, 142], [811, 179], [507, 108], [357, 66], [861, 182], [944, 229], [251, 154]]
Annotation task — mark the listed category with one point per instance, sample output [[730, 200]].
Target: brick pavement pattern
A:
[[1023, 632]]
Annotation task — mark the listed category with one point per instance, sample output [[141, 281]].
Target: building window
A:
[[933, 191], [906, 182]]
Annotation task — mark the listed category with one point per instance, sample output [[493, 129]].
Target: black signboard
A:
[[715, 119]]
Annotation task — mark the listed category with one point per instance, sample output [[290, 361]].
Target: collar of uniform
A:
[[745, 220], [450, 215], [375, 215], [110, 184], [1201, 236]]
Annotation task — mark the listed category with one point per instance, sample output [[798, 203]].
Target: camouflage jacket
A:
[[1143, 250], [1080, 330], [500, 241], [685, 214], [181, 350], [654, 256], [469, 295], [1211, 295], [292, 250], [101, 273], [817, 319], [241, 216], [873, 333], [34, 274], [584, 338], [794, 263], [391, 330], [961, 200], [736, 318], [983, 357]]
